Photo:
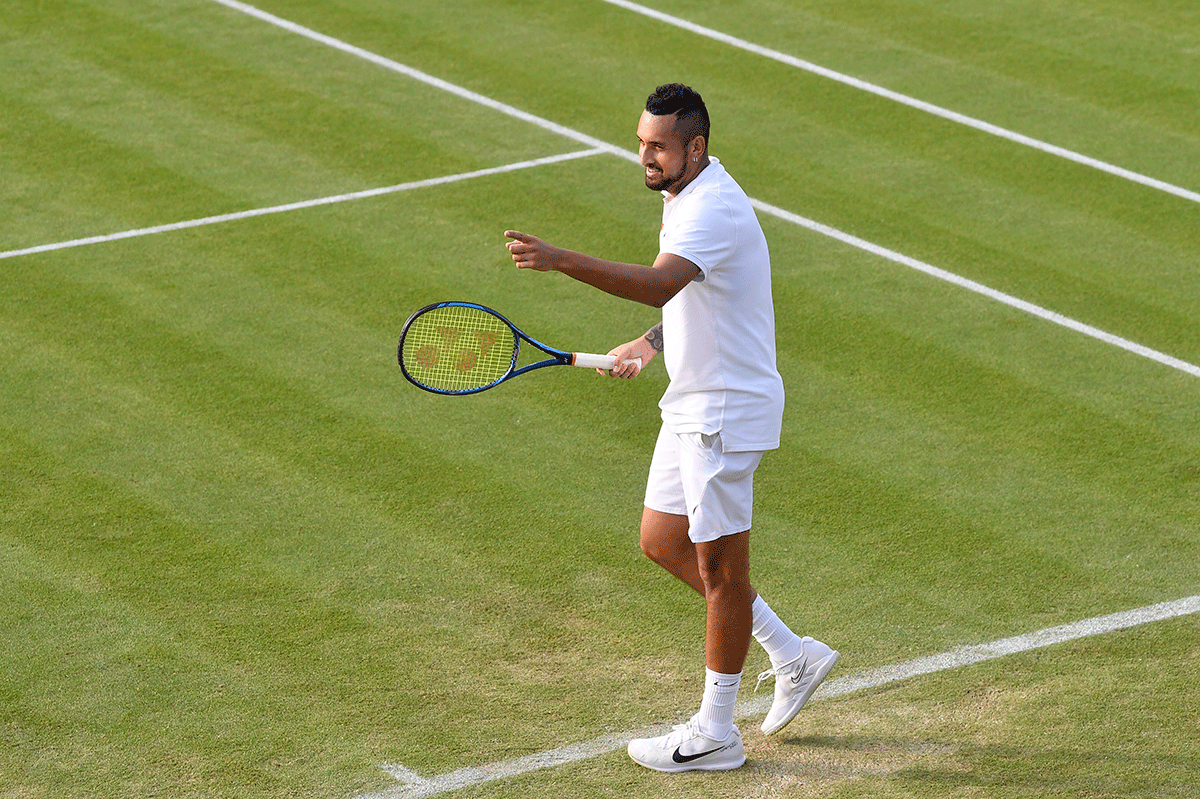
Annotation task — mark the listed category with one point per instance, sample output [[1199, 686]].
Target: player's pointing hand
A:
[[530, 252]]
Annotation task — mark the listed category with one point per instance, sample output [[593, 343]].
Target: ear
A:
[[696, 148]]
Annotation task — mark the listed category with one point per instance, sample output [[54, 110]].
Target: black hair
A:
[[687, 106]]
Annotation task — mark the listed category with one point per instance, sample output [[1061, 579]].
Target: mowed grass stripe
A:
[[978, 288]]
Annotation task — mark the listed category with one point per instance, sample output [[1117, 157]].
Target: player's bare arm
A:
[[654, 285]]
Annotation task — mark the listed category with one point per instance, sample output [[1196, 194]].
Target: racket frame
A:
[[557, 357]]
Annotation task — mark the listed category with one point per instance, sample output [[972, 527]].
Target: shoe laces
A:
[[766, 675], [680, 733], [688, 729]]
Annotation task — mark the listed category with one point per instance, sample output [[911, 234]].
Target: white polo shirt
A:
[[719, 331]]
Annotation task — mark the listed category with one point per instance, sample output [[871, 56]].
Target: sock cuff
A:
[[715, 677]]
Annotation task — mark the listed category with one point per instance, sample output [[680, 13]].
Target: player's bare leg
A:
[[720, 572], [804, 662], [724, 567], [664, 539]]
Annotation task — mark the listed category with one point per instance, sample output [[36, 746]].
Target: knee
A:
[[724, 584], [651, 545], [715, 573], [663, 544]]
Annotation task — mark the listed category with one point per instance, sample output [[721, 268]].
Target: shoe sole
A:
[[822, 669]]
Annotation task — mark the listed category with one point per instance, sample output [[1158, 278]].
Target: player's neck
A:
[[693, 172]]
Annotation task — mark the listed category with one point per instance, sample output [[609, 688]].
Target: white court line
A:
[[911, 102], [296, 206], [979, 288], [415, 787], [423, 77], [817, 227]]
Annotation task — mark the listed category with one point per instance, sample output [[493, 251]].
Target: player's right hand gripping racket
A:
[[465, 348]]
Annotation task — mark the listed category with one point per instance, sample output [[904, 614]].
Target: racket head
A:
[[457, 348]]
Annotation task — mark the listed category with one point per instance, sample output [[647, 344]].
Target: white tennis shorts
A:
[[691, 475]]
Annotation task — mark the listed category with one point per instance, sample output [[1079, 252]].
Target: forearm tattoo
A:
[[655, 336]]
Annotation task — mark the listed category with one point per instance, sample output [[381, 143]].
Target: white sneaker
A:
[[795, 682], [685, 749]]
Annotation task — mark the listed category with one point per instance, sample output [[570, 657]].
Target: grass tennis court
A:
[[241, 557]]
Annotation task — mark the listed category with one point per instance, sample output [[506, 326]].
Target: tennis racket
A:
[[465, 348]]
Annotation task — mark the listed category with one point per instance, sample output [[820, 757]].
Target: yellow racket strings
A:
[[458, 348]]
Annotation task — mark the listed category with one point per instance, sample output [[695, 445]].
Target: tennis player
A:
[[722, 409]]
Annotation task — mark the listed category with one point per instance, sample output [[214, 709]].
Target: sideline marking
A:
[[788, 216], [278, 209], [415, 787], [912, 102]]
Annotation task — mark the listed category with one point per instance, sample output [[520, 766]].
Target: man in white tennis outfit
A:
[[721, 411]]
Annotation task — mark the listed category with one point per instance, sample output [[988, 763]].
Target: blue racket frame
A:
[[557, 357]]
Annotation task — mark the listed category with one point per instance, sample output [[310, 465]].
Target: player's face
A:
[[662, 153]]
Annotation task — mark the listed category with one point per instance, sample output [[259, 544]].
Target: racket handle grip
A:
[[590, 361]]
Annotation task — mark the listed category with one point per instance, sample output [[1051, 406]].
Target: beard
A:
[[661, 181]]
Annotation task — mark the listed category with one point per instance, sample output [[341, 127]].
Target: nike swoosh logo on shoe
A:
[[679, 757], [799, 675]]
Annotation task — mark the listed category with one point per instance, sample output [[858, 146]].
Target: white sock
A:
[[715, 719], [781, 643]]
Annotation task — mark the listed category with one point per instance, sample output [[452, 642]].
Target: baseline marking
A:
[[911, 102], [278, 209], [415, 787]]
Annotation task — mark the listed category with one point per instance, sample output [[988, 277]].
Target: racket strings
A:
[[458, 348]]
